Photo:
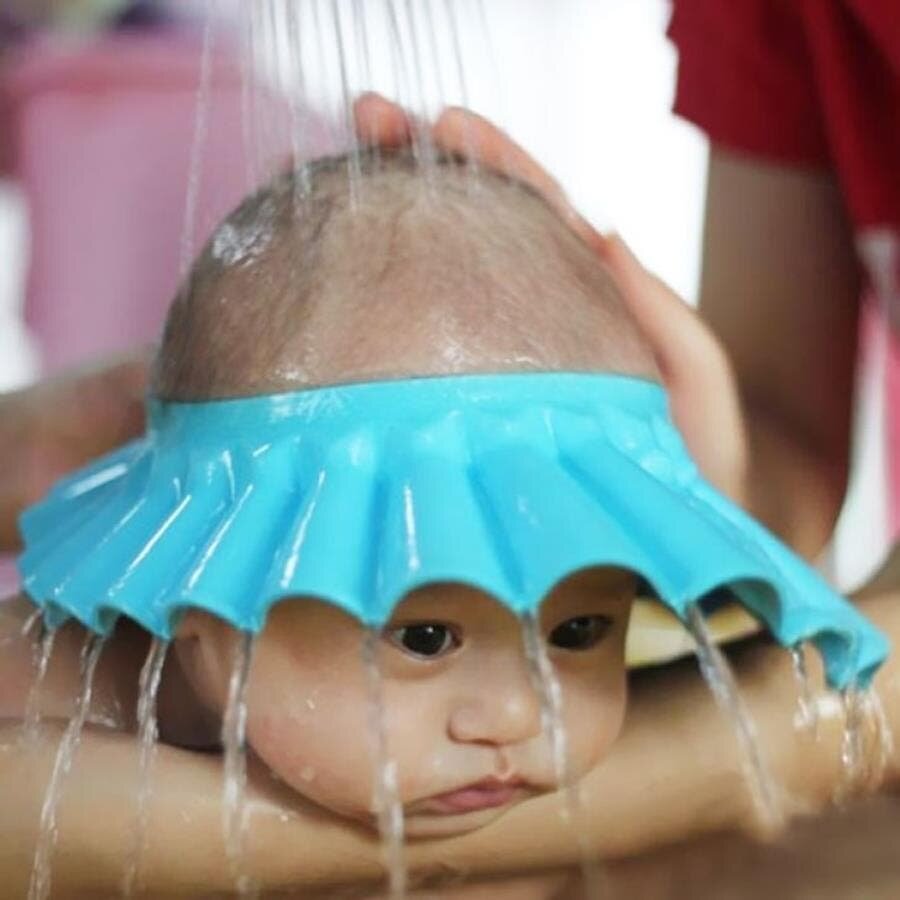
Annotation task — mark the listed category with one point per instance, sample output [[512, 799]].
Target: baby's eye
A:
[[580, 633], [427, 640]]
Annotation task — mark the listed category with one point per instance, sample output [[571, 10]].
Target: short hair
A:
[[405, 270]]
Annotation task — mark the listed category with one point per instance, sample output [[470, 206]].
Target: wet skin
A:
[[462, 711]]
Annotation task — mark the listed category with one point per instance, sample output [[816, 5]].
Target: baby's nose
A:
[[497, 710]]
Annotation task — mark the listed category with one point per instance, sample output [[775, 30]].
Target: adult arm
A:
[[780, 289], [674, 774]]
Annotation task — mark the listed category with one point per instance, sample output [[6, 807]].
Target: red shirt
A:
[[809, 82]]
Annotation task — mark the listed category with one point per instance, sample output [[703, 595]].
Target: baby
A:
[[409, 277], [404, 275], [401, 274]]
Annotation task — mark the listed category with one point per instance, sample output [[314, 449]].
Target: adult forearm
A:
[[185, 853], [674, 775], [793, 486], [695, 759]]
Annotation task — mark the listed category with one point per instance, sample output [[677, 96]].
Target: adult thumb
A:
[[695, 368]]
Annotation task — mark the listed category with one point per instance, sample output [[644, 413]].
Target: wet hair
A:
[[321, 279]]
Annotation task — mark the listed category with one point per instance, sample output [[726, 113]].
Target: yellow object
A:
[[655, 634]]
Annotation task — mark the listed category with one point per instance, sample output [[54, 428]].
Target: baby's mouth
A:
[[489, 793]]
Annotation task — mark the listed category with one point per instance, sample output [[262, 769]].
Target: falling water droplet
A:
[[39, 885], [718, 676], [550, 693], [234, 733], [148, 686], [387, 795]]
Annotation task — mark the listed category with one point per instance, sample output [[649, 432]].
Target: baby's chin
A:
[[421, 826]]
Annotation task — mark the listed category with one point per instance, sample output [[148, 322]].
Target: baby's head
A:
[[407, 276]]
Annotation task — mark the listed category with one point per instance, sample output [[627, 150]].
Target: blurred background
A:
[[93, 196]]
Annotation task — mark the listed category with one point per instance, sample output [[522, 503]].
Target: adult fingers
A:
[[466, 133], [381, 122], [695, 368], [470, 135]]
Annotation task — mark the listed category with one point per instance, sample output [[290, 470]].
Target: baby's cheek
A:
[[593, 721], [320, 759]]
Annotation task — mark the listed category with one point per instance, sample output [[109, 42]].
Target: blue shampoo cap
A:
[[358, 494]]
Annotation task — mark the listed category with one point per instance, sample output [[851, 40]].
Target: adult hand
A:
[[55, 426], [694, 366]]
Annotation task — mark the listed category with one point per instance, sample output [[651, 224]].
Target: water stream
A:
[[361, 37], [867, 743], [852, 739], [883, 735], [422, 147], [470, 147], [32, 719], [718, 675], [198, 144], [40, 883], [550, 693], [298, 98], [148, 686], [418, 69], [321, 47], [25, 629], [354, 173], [807, 718], [388, 805], [434, 50], [248, 90], [234, 735]]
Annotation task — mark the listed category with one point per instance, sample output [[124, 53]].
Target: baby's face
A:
[[461, 711]]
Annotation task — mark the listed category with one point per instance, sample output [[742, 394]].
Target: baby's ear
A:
[[695, 368]]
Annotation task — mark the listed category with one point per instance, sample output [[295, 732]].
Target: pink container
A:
[[100, 136], [101, 141]]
